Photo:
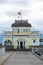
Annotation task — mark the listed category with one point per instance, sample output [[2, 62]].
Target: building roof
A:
[[21, 23]]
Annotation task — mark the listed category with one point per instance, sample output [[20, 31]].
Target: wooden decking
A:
[[23, 58]]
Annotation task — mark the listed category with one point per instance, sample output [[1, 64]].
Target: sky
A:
[[31, 10]]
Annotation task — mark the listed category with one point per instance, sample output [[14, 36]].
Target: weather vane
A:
[[20, 14]]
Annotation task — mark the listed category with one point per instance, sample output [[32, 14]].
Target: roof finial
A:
[[20, 14]]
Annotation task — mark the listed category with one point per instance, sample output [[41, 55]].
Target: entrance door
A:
[[21, 44]]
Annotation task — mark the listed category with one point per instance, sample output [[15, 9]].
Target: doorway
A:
[[21, 44]]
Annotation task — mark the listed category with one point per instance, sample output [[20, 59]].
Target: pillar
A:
[[19, 44]]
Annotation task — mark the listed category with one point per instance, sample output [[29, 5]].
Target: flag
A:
[[19, 13]]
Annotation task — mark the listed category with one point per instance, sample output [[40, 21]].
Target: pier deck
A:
[[23, 58], [3, 54]]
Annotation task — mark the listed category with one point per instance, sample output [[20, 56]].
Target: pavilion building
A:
[[21, 36]]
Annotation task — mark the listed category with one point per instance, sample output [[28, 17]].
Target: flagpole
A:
[[20, 14]]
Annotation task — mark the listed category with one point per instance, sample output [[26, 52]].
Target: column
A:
[[19, 44]]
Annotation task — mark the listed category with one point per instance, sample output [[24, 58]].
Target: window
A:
[[24, 42], [18, 43], [18, 31], [13, 29], [24, 30], [34, 41], [8, 42]]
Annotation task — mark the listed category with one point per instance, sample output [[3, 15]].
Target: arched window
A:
[[8, 42]]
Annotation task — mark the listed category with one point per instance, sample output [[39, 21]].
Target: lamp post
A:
[[12, 36]]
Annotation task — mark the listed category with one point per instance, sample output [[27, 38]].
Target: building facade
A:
[[21, 36]]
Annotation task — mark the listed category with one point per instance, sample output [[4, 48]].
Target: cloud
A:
[[4, 28], [2, 2], [19, 2], [10, 14], [31, 10]]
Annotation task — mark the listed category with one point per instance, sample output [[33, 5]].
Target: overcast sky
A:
[[31, 10]]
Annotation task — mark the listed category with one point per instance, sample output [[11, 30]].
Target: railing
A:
[[39, 51]]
